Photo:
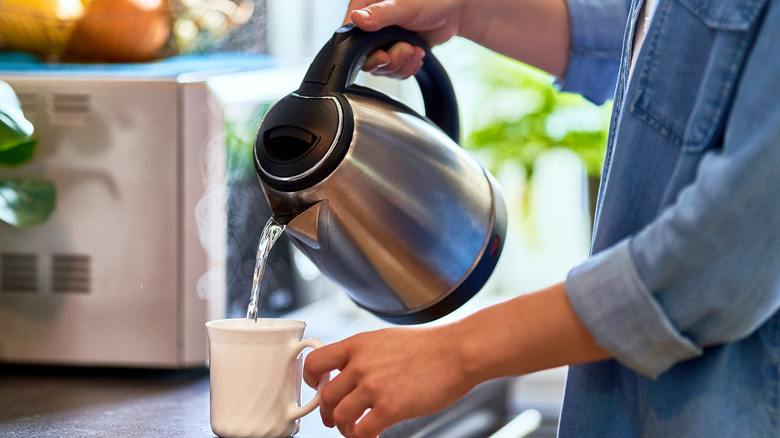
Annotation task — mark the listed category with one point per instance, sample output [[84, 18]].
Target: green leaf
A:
[[19, 154], [14, 127], [26, 202], [551, 119]]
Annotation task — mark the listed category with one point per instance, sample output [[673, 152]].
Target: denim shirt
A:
[[683, 285]]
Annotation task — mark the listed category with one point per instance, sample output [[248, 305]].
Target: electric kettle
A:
[[380, 198]]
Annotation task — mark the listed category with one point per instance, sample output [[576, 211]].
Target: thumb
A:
[[377, 16]]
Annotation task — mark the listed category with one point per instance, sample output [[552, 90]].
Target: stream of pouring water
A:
[[271, 232]]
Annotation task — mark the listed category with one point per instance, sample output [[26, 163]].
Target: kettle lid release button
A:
[[288, 143]]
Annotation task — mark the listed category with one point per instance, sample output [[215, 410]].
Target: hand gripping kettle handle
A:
[[338, 63]]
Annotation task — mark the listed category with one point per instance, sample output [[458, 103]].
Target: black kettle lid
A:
[[302, 140]]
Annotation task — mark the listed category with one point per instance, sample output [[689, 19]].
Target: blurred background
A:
[[545, 147]]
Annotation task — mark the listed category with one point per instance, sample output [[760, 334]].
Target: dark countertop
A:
[[101, 402], [109, 402], [50, 401]]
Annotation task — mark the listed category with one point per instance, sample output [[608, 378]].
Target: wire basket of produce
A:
[[116, 30], [42, 27]]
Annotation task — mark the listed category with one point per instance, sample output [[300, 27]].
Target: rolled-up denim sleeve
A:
[[706, 271], [597, 28], [615, 304]]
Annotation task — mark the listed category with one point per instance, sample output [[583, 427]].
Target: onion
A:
[[38, 26], [121, 30]]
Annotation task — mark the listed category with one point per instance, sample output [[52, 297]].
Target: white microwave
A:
[[134, 259]]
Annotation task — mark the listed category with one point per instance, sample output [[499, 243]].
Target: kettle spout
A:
[[310, 227]]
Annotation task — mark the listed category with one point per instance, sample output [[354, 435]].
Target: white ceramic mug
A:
[[255, 376]]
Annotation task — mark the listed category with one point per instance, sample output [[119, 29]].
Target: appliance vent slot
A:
[[71, 273], [18, 272], [68, 109], [29, 103]]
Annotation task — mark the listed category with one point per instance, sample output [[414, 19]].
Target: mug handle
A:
[[296, 412]]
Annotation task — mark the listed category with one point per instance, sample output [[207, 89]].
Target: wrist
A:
[[528, 333], [473, 18], [469, 343]]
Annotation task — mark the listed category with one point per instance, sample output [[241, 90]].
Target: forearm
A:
[[537, 32], [529, 333]]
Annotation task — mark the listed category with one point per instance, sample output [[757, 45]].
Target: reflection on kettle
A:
[[380, 198]]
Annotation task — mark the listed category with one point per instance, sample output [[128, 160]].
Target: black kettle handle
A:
[[338, 63]]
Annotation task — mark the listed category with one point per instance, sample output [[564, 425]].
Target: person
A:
[[670, 328]]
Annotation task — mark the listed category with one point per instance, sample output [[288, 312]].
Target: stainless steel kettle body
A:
[[380, 198]]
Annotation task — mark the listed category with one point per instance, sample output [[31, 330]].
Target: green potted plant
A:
[[523, 116], [23, 201]]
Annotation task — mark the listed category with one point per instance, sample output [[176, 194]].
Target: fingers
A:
[[401, 61], [332, 395], [323, 360], [354, 5], [363, 19], [349, 411], [372, 367], [374, 15], [343, 403], [371, 425], [376, 61]]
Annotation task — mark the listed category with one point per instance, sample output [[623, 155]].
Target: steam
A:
[[230, 217], [211, 218], [211, 213]]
